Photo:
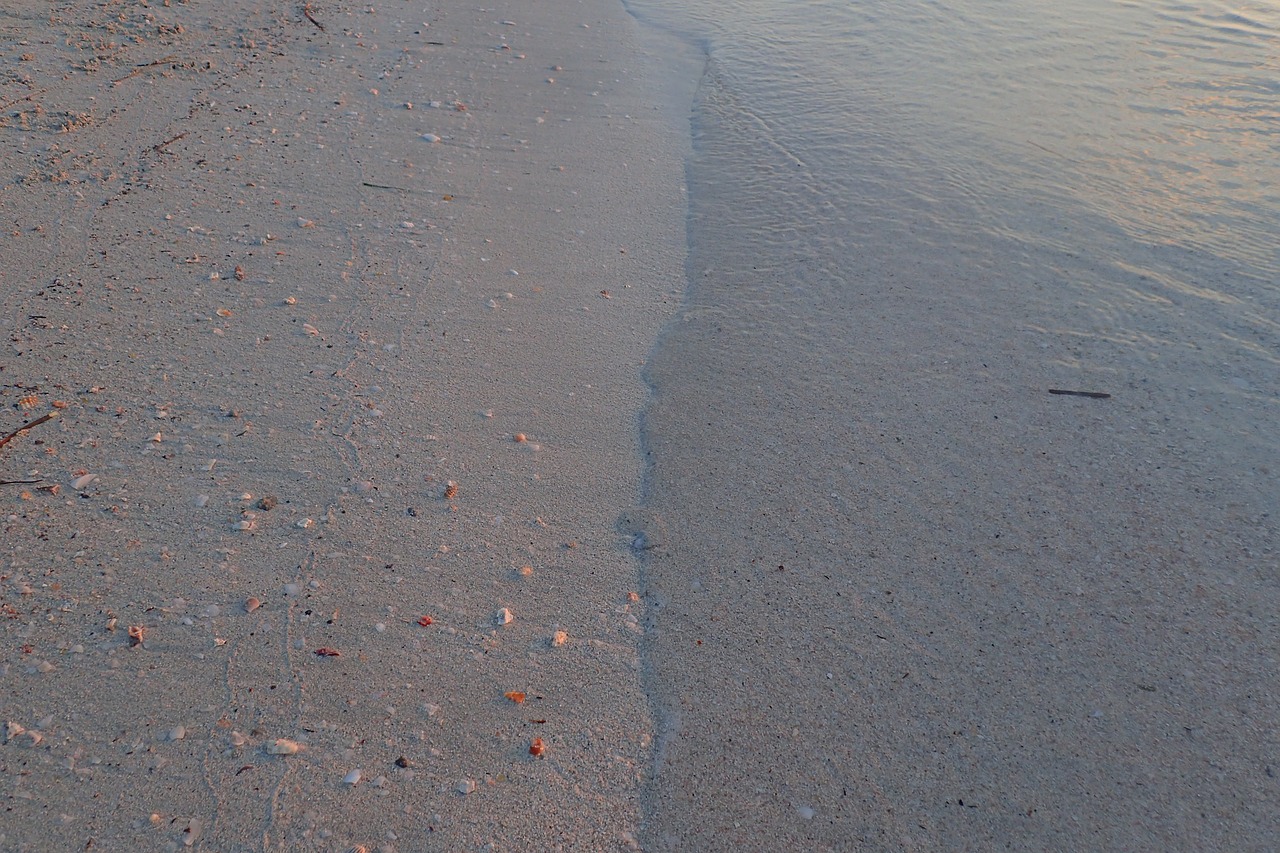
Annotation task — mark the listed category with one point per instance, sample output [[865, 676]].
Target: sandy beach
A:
[[343, 312], [428, 450]]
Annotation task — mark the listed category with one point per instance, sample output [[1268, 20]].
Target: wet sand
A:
[[343, 310]]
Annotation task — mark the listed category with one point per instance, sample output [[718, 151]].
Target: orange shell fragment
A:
[[424, 621], [515, 696], [537, 747]]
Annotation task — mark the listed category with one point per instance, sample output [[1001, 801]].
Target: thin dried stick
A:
[[11, 436], [306, 10]]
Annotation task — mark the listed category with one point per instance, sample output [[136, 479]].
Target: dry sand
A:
[[299, 278]]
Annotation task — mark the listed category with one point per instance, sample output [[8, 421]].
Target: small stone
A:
[[466, 786], [402, 762], [268, 502], [175, 733], [503, 616]]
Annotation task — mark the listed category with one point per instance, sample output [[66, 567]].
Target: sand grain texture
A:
[[283, 322]]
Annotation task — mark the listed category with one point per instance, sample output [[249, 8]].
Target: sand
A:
[[392, 446], [344, 310]]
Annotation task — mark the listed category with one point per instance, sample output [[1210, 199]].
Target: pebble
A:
[[466, 786], [503, 616]]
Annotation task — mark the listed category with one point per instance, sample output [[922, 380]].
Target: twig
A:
[[15, 482], [138, 69], [11, 436], [156, 148], [306, 10], [1097, 395]]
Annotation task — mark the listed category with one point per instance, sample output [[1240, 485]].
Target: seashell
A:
[[352, 778], [284, 746], [84, 481]]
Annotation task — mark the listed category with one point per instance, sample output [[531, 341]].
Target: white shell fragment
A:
[[430, 137], [17, 734], [352, 778], [84, 481], [284, 746]]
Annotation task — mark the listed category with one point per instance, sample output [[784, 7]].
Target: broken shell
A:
[[352, 778], [466, 786], [137, 634], [284, 746], [450, 490], [503, 617], [559, 638], [251, 604], [537, 747], [515, 696], [84, 481]]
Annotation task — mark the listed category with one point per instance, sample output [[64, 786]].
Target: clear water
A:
[[878, 549], [1136, 144]]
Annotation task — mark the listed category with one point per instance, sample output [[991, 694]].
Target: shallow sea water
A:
[[878, 549]]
